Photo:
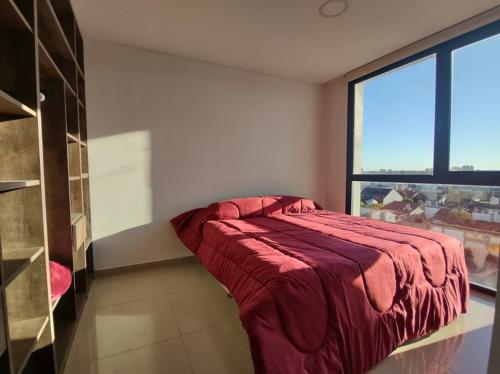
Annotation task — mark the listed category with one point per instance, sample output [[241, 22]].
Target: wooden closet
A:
[[44, 183]]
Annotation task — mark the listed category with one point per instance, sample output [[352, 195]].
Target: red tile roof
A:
[[401, 206], [450, 217]]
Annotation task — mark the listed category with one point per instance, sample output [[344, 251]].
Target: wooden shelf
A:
[[12, 17], [51, 134], [55, 302], [6, 186], [24, 335], [87, 244], [65, 331], [72, 138], [55, 39], [79, 50], [66, 19], [16, 260], [75, 217], [11, 107], [49, 68], [47, 64]]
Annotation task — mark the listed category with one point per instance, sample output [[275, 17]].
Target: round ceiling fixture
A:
[[333, 8]]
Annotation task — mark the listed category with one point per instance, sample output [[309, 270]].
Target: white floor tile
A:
[[219, 350], [118, 328], [203, 307], [134, 285]]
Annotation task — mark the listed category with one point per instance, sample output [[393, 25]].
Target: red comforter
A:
[[324, 292]]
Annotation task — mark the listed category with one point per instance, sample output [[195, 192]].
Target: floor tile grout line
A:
[[213, 286], [187, 355], [180, 332], [135, 349], [129, 301], [211, 327], [163, 292]]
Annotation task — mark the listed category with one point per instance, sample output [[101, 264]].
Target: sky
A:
[[399, 110]]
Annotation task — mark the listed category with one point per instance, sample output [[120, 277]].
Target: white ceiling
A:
[[286, 38]]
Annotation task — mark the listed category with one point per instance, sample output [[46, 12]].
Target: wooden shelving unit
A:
[[44, 183]]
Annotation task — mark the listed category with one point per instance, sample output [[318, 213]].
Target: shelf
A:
[[47, 64], [11, 107], [64, 331], [66, 18], [24, 335], [6, 186], [16, 260], [12, 18], [55, 302], [75, 217], [87, 244], [50, 68], [50, 27], [83, 144], [52, 36], [85, 175], [72, 138], [74, 178], [79, 49], [80, 70]]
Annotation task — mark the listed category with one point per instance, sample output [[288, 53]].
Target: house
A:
[[380, 195], [415, 196], [488, 211], [398, 211]]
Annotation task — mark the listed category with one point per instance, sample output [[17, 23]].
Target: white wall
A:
[[168, 134]]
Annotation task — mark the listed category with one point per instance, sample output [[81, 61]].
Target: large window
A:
[[424, 146]]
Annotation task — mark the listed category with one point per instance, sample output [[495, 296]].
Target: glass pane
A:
[[468, 213], [475, 113], [394, 121]]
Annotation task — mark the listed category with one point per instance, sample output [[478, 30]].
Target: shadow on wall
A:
[[130, 218], [168, 134], [123, 221]]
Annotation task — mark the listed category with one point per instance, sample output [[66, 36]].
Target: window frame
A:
[[442, 130]]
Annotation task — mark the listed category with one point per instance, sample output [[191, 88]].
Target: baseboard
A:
[[147, 265]]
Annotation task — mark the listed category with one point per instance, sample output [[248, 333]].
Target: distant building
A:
[[488, 211], [462, 168], [398, 211], [382, 195], [415, 196]]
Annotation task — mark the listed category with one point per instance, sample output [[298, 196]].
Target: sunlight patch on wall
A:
[[120, 183]]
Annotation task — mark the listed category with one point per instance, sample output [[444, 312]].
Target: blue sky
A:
[[398, 115]]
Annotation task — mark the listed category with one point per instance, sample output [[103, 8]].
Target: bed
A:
[[324, 292]]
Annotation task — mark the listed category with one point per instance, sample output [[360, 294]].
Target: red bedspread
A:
[[324, 292]]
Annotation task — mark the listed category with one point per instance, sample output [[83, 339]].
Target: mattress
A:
[[324, 292]]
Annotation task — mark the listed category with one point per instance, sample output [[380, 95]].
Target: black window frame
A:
[[442, 130]]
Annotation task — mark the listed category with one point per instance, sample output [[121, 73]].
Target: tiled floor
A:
[[176, 319]]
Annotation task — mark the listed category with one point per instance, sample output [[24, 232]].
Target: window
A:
[[424, 146], [475, 111], [397, 110]]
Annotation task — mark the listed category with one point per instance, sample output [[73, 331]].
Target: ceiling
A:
[[287, 38]]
